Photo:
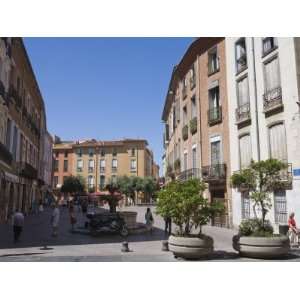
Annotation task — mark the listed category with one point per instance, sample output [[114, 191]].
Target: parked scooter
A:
[[107, 223]]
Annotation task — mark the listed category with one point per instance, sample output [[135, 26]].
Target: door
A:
[[219, 220], [215, 158]]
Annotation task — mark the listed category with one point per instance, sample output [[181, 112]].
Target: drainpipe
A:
[[255, 94]]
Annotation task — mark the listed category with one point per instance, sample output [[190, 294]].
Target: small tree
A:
[[260, 179], [113, 198], [185, 204], [149, 186], [73, 184]]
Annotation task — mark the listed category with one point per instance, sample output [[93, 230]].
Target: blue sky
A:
[[105, 88]]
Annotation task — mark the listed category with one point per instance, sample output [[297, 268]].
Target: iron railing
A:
[[273, 99], [215, 172], [27, 170], [188, 174], [242, 113], [214, 115]]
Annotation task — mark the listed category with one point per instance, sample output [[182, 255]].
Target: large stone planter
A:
[[129, 218], [193, 247], [261, 247]]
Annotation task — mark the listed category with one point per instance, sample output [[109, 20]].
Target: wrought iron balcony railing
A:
[[214, 115], [27, 170], [273, 99], [216, 172], [188, 174], [242, 113]]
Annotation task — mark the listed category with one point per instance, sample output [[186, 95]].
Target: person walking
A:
[[149, 220], [168, 225], [293, 230], [72, 216], [55, 219], [18, 223]]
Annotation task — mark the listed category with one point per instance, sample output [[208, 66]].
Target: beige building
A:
[[196, 138], [98, 162]]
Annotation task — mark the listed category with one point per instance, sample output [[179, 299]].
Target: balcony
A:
[[214, 173], [242, 113], [214, 115], [102, 169], [14, 94], [189, 174], [5, 155], [27, 170], [91, 170], [114, 169], [79, 169], [193, 125], [273, 100], [185, 132], [286, 177]]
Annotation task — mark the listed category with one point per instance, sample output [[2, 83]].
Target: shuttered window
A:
[[243, 91], [245, 151], [272, 78], [278, 142], [280, 207]]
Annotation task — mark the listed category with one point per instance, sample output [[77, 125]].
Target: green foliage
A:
[[73, 184], [260, 179], [185, 204], [255, 227]]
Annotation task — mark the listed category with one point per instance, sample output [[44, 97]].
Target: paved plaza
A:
[[80, 246]]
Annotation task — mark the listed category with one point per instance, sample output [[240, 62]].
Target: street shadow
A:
[[37, 233]]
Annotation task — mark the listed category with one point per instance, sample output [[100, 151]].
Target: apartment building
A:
[[196, 137], [22, 130], [98, 162], [263, 77]]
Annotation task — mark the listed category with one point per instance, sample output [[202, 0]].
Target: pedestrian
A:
[[72, 216], [168, 225], [149, 219], [293, 230], [18, 223], [41, 207], [55, 219]]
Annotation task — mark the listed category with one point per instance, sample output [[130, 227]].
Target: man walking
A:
[[168, 225], [55, 219], [18, 223]]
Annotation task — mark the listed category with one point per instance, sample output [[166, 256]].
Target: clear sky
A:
[[105, 88]]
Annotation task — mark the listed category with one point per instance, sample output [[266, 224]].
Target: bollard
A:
[[125, 247], [165, 246]]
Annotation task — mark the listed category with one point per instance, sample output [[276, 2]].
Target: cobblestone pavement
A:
[[70, 246]]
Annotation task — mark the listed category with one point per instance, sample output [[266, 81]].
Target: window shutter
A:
[[278, 142]]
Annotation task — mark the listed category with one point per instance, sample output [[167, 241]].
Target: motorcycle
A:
[[107, 223]]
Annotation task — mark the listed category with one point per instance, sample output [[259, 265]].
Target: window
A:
[[174, 118], [102, 152], [66, 154], [280, 206], [79, 165], [177, 108], [64, 178], [245, 151], [277, 142], [215, 153], [194, 157], [133, 152], [102, 165], [214, 112], [55, 182], [65, 165], [114, 164], [184, 117], [91, 165], [184, 87], [242, 91], [15, 143], [193, 107], [271, 75], [91, 181], [241, 55], [8, 134], [102, 182], [114, 152], [185, 161], [91, 152], [193, 77], [56, 154], [213, 61], [245, 205], [133, 165], [79, 152], [56, 165], [268, 44]]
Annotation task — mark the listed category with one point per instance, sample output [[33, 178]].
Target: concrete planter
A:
[[193, 247], [129, 218], [261, 247]]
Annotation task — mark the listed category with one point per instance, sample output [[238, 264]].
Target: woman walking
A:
[[72, 216], [149, 220]]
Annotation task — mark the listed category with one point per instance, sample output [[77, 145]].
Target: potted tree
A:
[[189, 210], [256, 237]]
